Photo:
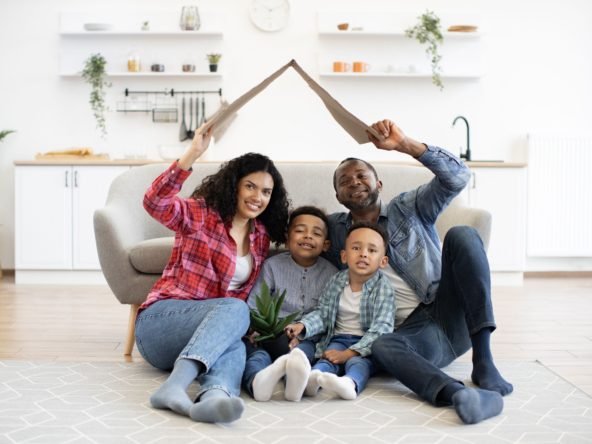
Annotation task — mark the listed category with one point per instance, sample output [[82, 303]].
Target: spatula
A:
[[183, 128]]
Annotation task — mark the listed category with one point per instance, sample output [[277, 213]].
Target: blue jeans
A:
[[208, 331], [434, 335], [357, 368], [258, 359]]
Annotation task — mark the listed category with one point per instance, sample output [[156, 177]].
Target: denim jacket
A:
[[414, 246]]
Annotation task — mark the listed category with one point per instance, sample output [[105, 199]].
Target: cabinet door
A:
[[43, 217], [90, 188], [502, 191]]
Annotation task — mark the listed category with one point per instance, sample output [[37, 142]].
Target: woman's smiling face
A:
[[253, 194]]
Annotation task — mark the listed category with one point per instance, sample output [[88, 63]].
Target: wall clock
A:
[[270, 15]]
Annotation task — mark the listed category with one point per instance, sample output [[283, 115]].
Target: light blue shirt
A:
[[409, 218]]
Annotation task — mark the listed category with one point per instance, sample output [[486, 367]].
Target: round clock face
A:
[[270, 15]]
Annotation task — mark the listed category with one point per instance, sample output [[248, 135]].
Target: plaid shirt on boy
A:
[[203, 260], [377, 306]]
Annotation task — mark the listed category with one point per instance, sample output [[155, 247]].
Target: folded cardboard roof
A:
[[350, 123]]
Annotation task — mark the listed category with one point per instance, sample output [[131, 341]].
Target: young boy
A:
[[356, 307], [303, 274]]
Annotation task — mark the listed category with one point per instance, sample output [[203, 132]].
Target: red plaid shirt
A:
[[204, 255]]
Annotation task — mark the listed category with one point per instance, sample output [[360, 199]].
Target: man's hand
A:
[[395, 139], [293, 343], [198, 146], [294, 330], [339, 357]]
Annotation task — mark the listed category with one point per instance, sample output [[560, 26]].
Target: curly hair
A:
[[220, 190]]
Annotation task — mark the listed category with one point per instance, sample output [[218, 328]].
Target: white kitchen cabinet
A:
[[502, 191], [54, 207]]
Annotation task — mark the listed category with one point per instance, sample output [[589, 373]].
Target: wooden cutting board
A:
[[462, 28]]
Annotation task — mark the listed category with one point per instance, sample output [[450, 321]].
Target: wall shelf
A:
[[152, 74], [188, 34], [348, 34], [396, 74]]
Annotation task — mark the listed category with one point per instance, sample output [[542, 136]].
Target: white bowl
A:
[[97, 26]]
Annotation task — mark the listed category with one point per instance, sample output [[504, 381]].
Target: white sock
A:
[[265, 381], [344, 386], [297, 371], [312, 387]]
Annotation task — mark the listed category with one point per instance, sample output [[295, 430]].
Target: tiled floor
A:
[[107, 403]]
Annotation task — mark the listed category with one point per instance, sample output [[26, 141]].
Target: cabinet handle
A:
[[76, 179], [66, 178], [474, 180]]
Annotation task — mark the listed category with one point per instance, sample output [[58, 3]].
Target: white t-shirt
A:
[[244, 266], [405, 298], [348, 314]]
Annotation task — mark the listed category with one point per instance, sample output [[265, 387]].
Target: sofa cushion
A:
[[152, 255]]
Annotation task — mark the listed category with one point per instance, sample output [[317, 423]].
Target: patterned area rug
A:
[[108, 403]]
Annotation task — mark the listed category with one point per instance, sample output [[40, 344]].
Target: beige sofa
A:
[[133, 248]]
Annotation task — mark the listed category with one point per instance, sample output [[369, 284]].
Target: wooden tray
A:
[[46, 156]]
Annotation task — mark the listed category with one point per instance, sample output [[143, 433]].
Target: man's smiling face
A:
[[356, 185]]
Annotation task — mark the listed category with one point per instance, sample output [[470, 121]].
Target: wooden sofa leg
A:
[[131, 330]]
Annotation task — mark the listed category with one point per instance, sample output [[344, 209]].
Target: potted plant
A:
[[96, 76], [213, 60], [429, 32], [266, 321]]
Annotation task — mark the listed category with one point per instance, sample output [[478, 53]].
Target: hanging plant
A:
[[95, 75], [5, 133], [429, 32]]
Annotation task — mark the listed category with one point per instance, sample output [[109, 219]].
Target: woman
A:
[[195, 315]]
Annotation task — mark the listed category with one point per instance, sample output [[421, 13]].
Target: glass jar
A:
[[133, 62], [189, 18]]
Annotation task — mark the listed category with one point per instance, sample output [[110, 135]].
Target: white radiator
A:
[[559, 196]]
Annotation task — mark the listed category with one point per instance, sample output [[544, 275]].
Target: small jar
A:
[[133, 63]]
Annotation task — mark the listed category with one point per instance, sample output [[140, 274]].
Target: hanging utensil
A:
[[197, 113], [183, 128], [190, 132], [203, 110]]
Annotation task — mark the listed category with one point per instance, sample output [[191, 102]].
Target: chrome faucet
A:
[[467, 154]]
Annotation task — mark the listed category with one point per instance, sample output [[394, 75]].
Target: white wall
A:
[[536, 58]]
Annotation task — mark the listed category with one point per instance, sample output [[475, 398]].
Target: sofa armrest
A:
[[462, 215], [115, 235]]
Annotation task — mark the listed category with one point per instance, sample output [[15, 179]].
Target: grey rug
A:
[[53, 402]]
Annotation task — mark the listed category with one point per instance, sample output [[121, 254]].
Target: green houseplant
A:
[[95, 74], [213, 60], [5, 133], [266, 321], [428, 31]]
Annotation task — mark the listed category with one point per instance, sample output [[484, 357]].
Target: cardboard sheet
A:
[[350, 123]]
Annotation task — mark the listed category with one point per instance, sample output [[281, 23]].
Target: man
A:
[[443, 297]]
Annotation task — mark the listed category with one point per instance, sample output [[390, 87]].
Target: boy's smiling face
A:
[[307, 239]]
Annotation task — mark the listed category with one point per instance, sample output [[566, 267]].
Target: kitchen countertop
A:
[[137, 162]]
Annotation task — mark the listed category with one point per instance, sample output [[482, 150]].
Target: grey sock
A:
[[172, 394], [475, 405], [216, 406]]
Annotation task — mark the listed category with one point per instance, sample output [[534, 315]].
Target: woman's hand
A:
[[198, 146]]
